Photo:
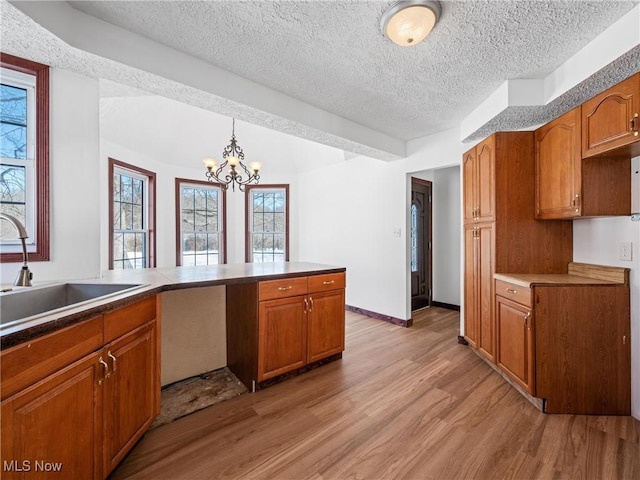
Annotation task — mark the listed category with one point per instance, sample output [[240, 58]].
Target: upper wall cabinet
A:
[[610, 120], [558, 168], [478, 166], [568, 186]]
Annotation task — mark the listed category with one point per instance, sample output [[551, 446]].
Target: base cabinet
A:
[[325, 325], [282, 342], [566, 341], [69, 417], [129, 391], [295, 330], [275, 327], [54, 427], [516, 342]]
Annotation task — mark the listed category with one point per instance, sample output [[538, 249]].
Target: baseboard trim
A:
[[462, 340], [380, 316], [448, 306]]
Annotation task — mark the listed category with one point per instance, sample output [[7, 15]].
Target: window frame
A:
[[151, 208], [180, 182], [248, 201], [41, 251]]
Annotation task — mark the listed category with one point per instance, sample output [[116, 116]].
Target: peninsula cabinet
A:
[[568, 186], [275, 327], [610, 120], [509, 239], [84, 395]]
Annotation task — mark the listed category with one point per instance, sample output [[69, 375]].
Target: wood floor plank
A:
[[402, 403]]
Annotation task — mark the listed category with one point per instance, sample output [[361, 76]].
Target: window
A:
[[24, 156], [267, 223], [132, 214], [200, 223]]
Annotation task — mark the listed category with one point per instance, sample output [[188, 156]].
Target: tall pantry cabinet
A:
[[500, 232]]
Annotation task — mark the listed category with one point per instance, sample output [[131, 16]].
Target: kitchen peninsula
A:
[[94, 367]]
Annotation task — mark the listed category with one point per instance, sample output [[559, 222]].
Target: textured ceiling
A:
[[331, 54], [354, 90]]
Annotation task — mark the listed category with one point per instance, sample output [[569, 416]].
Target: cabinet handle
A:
[[306, 305], [283, 289], [311, 304], [106, 370], [633, 124], [113, 361], [511, 290], [526, 320], [328, 282]]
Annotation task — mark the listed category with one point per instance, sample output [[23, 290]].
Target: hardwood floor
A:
[[405, 403]]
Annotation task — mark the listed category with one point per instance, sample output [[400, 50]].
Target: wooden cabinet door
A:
[[471, 317], [558, 168], [610, 120], [486, 164], [469, 181], [282, 336], [485, 269], [325, 325], [53, 429], [515, 342], [129, 391]]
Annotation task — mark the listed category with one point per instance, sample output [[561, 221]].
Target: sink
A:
[[24, 303]]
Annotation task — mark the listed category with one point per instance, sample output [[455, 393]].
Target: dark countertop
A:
[[151, 281]]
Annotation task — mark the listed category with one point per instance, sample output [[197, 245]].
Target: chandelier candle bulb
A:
[[210, 163], [255, 166], [233, 161]]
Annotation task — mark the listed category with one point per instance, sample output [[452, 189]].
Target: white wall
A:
[[74, 183], [446, 235], [596, 241], [350, 213]]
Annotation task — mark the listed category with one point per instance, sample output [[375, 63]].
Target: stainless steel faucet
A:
[[24, 275]]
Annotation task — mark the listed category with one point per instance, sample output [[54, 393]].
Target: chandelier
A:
[[238, 173]]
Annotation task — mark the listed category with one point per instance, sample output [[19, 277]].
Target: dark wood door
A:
[[420, 243]]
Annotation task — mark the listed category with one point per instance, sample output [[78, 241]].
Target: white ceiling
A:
[[330, 55]]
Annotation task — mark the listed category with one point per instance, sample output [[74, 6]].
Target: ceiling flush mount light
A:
[[408, 22], [238, 173]]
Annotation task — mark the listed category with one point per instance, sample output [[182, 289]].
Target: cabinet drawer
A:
[[24, 364], [329, 281], [516, 293], [129, 317], [288, 287]]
